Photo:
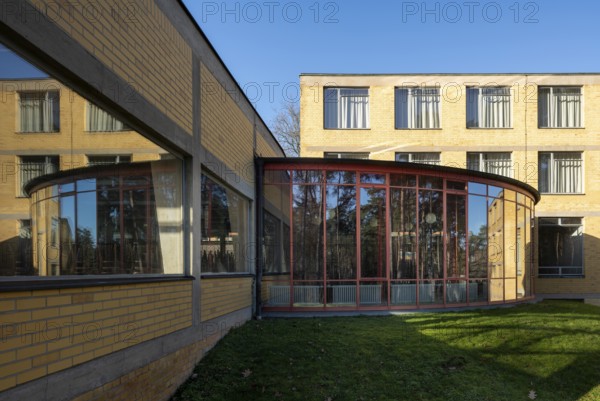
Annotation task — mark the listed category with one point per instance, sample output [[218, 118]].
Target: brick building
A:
[[539, 129]]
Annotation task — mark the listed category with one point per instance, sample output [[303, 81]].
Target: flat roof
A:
[[321, 74]]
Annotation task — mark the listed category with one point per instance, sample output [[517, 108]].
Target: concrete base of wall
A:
[[593, 301]]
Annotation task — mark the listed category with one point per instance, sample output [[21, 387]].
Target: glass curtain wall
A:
[[363, 239]]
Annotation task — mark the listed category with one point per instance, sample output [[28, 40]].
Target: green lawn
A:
[[546, 351]]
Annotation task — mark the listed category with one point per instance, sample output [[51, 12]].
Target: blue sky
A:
[[265, 42]]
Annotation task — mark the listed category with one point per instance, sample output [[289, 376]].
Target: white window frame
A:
[[482, 162], [549, 117], [581, 232], [338, 104], [551, 172], [411, 156], [411, 95], [470, 102]]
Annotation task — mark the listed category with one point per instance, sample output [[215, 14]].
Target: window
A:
[[422, 157], [560, 173], [489, 107], [39, 111], [110, 159], [98, 120], [417, 108], [224, 229], [495, 163], [559, 107], [347, 155], [561, 246], [346, 108], [31, 167]]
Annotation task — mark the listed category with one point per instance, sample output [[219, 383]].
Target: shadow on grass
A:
[[478, 355]]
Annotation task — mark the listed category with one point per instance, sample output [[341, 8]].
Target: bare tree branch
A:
[[286, 128]]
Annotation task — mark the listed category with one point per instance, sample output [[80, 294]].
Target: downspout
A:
[[259, 170]]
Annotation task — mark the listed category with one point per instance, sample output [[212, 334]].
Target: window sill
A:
[[419, 129], [226, 275], [578, 276], [50, 283], [561, 127], [108, 132], [36, 132], [347, 129], [490, 128], [563, 193]]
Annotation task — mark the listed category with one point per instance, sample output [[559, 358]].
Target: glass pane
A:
[[456, 236], [109, 232], [431, 248], [478, 291], [308, 232], [341, 177], [403, 180], [87, 233], [66, 229], [372, 178], [431, 182], [478, 236], [456, 185], [307, 176], [308, 294], [496, 237], [475, 188], [431, 292], [224, 228], [403, 293], [271, 244], [341, 293], [496, 290], [544, 172], [560, 246], [403, 203], [510, 239], [373, 293], [456, 292], [373, 232], [341, 232]]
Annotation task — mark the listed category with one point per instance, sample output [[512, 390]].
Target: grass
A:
[[545, 351]]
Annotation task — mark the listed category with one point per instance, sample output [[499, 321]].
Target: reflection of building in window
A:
[[108, 159], [98, 120], [560, 246], [39, 111], [224, 228], [31, 167], [108, 221]]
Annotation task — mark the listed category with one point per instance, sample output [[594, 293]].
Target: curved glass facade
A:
[[385, 235], [116, 219]]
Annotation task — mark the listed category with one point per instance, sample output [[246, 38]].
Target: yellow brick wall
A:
[[113, 30], [221, 296], [51, 330], [454, 140], [226, 132]]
